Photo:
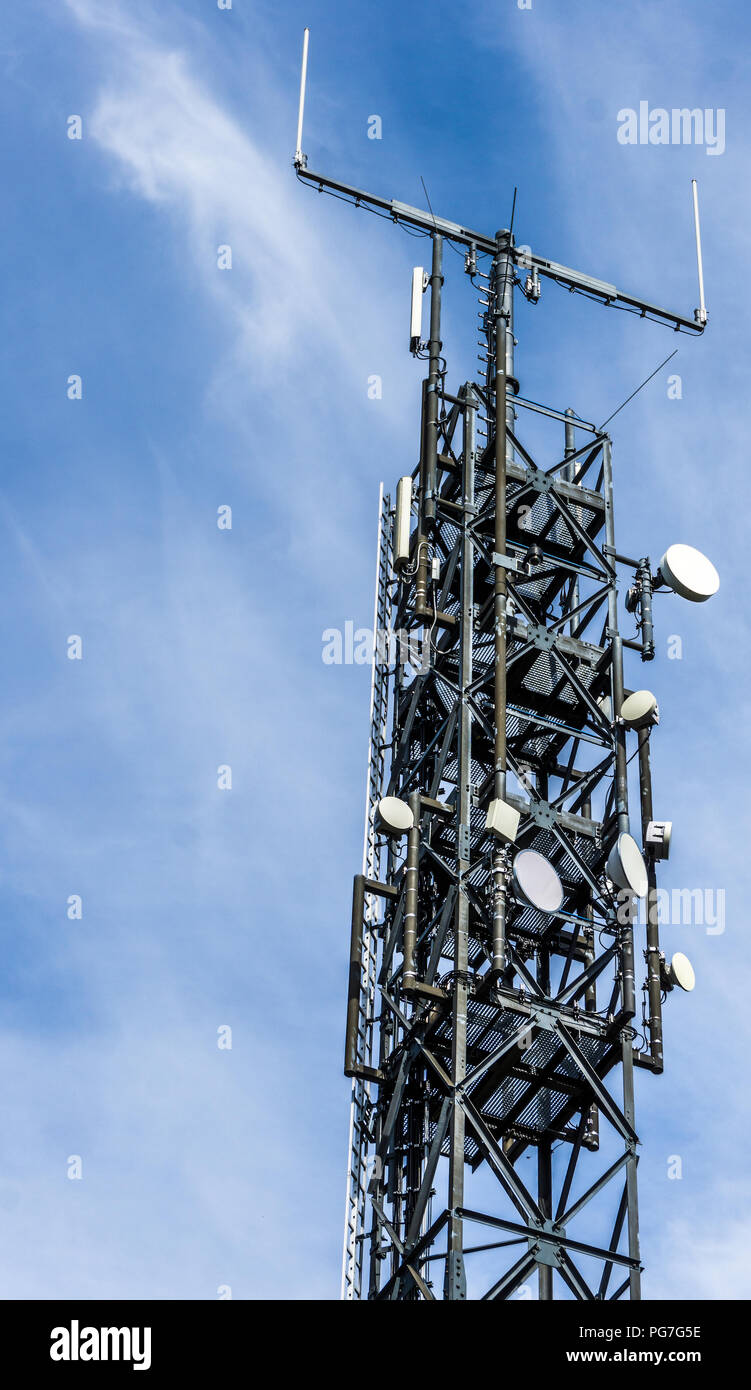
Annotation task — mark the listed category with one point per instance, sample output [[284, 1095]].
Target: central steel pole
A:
[[545, 1145], [654, 983], [503, 347], [569, 474], [429, 456], [455, 1281]]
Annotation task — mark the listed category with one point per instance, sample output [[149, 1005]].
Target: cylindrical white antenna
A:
[[299, 156], [700, 314]]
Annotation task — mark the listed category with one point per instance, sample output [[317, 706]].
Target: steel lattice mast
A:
[[492, 1044]]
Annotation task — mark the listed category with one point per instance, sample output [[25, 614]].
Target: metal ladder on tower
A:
[[360, 1104]]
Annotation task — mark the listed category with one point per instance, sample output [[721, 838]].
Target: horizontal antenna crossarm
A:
[[601, 289], [427, 222], [402, 212]]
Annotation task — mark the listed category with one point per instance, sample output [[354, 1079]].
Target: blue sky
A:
[[205, 908]]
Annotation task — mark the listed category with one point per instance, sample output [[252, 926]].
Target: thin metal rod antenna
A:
[[701, 313], [299, 156], [430, 205], [646, 380]]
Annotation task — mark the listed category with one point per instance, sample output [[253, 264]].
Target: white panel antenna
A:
[[419, 285], [403, 522]]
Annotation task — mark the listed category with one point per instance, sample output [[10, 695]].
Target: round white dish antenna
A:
[[689, 573], [394, 816], [626, 866], [640, 709], [680, 972], [537, 881]]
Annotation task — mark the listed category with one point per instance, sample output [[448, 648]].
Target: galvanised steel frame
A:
[[481, 1032]]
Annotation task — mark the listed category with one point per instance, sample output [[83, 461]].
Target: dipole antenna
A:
[[700, 314], [299, 156]]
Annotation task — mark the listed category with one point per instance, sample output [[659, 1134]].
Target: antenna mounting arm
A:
[[573, 279], [607, 293]]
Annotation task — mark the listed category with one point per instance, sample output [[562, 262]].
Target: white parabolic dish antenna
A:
[[681, 971], [538, 881], [626, 866], [394, 816], [639, 709], [689, 573]]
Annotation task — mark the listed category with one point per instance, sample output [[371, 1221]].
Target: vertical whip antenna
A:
[[700, 314], [300, 160]]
